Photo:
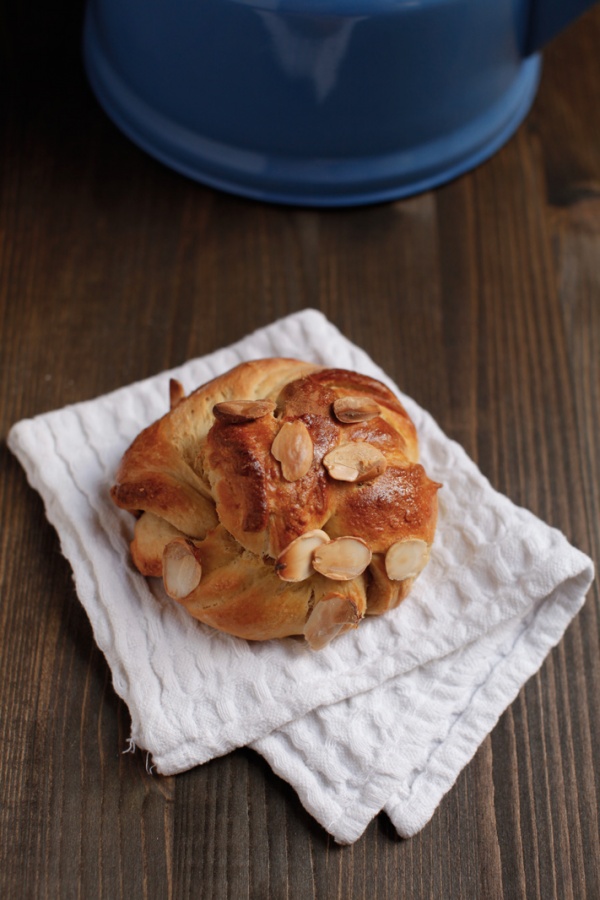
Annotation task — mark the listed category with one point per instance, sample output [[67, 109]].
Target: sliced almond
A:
[[295, 562], [236, 412], [355, 409], [405, 559], [343, 559], [293, 448], [355, 461], [151, 534], [176, 392], [331, 615], [182, 570]]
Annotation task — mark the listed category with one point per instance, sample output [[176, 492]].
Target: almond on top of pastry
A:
[[281, 498]]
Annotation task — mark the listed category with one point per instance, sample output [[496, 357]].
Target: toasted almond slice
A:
[[343, 559], [176, 392], [151, 534], [355, 409], [332, 614], [182, 570], [293, 448], [355, 461], [405, 559], [236, 412], [295, 562]]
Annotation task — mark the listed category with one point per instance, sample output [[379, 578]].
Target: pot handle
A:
[[548, 17]]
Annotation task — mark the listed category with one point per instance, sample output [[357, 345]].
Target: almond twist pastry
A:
[[281, 498]]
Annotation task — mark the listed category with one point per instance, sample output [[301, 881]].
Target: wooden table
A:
[[481, 299]]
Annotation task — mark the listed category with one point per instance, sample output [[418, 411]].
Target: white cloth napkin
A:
[[385, 716]]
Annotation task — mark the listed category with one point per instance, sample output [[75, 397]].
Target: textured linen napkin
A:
[[385, 716]]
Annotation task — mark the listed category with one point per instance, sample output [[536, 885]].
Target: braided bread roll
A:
[[281, 498]]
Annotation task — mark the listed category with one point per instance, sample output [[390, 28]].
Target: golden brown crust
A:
[[400, 504], [245, 483]]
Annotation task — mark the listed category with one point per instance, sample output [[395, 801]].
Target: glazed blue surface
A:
[[325, 102]]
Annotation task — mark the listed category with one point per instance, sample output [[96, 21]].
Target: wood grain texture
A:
[[481, 299]]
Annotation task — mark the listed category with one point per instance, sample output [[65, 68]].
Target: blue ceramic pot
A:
[[319, 102]]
